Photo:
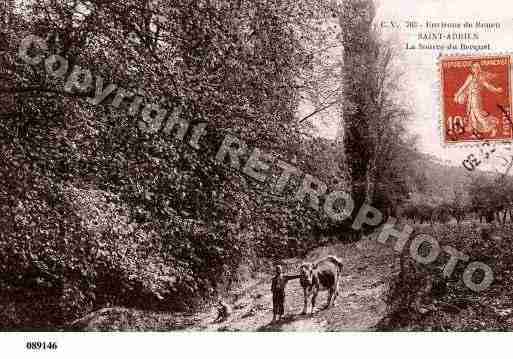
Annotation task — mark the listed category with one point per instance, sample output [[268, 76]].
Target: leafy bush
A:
[[447, 303]]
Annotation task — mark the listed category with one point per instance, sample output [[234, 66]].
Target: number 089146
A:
[[41, 345]]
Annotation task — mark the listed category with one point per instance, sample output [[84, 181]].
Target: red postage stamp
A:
[[476, 98]]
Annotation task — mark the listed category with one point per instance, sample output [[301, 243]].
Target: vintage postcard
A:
[[176, 167]]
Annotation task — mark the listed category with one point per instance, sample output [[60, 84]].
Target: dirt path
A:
[[368, 269]]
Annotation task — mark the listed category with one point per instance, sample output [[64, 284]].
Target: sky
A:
[[421, 66], [421, 78]]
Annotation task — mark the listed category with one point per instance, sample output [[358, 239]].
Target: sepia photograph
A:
[[186, 166]]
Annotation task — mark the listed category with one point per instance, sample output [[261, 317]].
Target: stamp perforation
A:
[[441, 100]]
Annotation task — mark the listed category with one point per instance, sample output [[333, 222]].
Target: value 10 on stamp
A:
[[476, 99]]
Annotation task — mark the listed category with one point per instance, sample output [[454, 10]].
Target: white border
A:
[[261, 345]]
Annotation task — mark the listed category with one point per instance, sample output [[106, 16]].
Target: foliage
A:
[[491, 197], [98, 213], [422, 299], [379, 153]]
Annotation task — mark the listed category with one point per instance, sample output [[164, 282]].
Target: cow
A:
[[323, 274]]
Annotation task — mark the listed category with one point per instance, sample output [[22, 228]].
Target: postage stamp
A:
[[476, 99]]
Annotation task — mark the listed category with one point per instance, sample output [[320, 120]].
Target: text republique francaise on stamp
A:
[[476, 98]]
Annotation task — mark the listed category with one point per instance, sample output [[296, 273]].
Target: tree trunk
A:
[[356, 20]]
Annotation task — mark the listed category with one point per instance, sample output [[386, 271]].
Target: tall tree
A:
[[356, 21], [378, 150]]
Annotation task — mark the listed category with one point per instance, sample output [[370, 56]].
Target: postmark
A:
[[475, 99]]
